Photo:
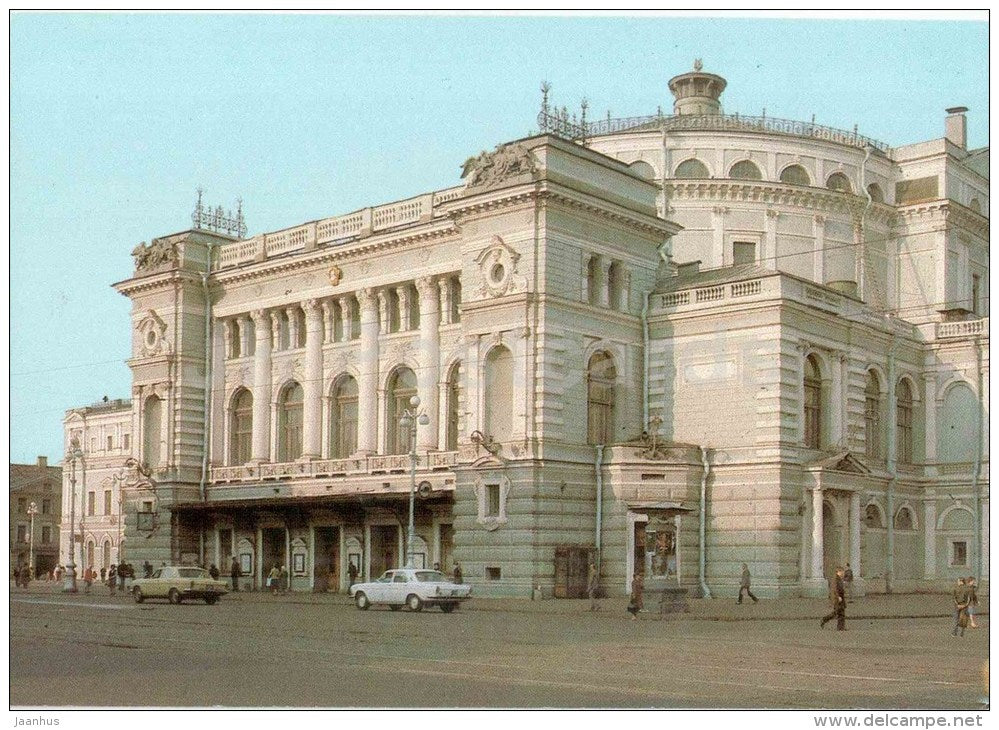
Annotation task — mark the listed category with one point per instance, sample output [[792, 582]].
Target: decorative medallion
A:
[[335, 275], [498, 270], [152, 335]]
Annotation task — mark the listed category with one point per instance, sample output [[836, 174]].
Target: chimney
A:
[[956, 127], [43, 462]]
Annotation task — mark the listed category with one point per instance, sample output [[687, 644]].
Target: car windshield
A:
[[192, 573], [430, 576]]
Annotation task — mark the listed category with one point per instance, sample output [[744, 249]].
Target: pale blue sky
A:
[[117, 119]]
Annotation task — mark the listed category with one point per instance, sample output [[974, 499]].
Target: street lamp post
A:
[[74, 453], [32, 511], [411, 417]]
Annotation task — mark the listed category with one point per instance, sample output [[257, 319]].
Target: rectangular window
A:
[[110, 442], [91, 503], [22, 533], [492, 500], [959, 553], [107, 501], [743, 252], [46, 506], [976, 291], [124, 441], [46, 535], [493, 574], [22, 505]]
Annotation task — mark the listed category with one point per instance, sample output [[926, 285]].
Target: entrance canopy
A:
[[391, 499]]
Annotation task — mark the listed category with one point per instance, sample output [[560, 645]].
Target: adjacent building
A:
[[674, 344], [34, 516]]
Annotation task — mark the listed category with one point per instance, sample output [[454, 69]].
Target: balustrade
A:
[[374, 464]]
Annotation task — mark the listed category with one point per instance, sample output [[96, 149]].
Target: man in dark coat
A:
[[457, 572], [234, 573], [961, 599], [744, 585], [837, 599], [352, 573]]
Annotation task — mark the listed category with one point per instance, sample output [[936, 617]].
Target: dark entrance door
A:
[[571, 568], [447, 548], [384, 549], [327, 559], [273, 549]]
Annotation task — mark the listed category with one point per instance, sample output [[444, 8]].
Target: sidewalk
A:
[[876, 606]]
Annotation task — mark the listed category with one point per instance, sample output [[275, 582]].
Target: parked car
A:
[[177, 583], [412, 587]]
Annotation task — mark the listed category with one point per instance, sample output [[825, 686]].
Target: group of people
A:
[[277, 579]]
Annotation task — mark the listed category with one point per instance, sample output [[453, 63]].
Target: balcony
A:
[[966, 329], [322, 468]]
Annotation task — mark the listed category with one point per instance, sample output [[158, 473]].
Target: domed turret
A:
[[697, 92]]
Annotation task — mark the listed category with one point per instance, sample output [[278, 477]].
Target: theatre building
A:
[[673, 344]]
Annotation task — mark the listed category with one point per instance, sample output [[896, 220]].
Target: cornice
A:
[[949, 212], [749, 191], [155, 281]]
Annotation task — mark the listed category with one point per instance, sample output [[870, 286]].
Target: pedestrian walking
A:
[[234, 573], [283, 579], [744, 585], [972, 601], [213, 572], [124, 572], [17, 576], [272, 579], [113, 579], [457, 572], [592, 585], [848, 583], [352, 573], [88, 579], [103, 574], [837, 599], [637, 586], [961, 596]]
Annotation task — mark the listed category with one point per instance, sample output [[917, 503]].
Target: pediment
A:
[[842, 462]]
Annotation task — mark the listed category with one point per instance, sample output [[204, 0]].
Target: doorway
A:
[[326, 560], [384, 549], [832, 540], [273, 549], [446, 556]]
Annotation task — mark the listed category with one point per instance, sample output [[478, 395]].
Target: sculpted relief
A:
[[503, 164], [155, 254]]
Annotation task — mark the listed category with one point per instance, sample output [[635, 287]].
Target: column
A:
[[818, 255], [818, 546], [718, 237], [405, 307], [261, 447], [329, 334], [837, 401], [227, 325], [383, 312], [292, 327], [855, 518], [930, 420], [605, 282], [367, 382], [313, 386], [771, 239], [930, 535], [428, 376], [444, 284]]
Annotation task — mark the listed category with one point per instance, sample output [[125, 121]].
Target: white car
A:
[[177, 583], [412, 587]]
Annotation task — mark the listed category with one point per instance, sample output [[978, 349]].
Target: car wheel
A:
[[174, 596], [414, 602], [137, 595], [362, 601], [448, 607], [394, 606], [211, 600]]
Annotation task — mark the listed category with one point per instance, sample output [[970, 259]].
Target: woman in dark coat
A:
[[637, 586]]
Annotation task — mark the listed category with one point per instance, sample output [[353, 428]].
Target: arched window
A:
[[498, 391], [90, 554], [106, 554], [903, 519], [903, 399], [692, 169], [600, 377], [876, 193], [290, 422], [745, 170], [813, 403], [872, 517], [957, 427], [839, 181], [152, 431], [401, 387], [795, 175], [643, 169], [343, 439], [872, 416], [241, 430], [453, 403]]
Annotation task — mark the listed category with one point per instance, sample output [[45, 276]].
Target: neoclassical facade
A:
[[674, 344]]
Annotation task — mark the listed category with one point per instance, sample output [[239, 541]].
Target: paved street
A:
[[319, 651]]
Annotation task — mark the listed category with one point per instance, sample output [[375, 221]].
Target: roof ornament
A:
[[698, 65], [214, 219]]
